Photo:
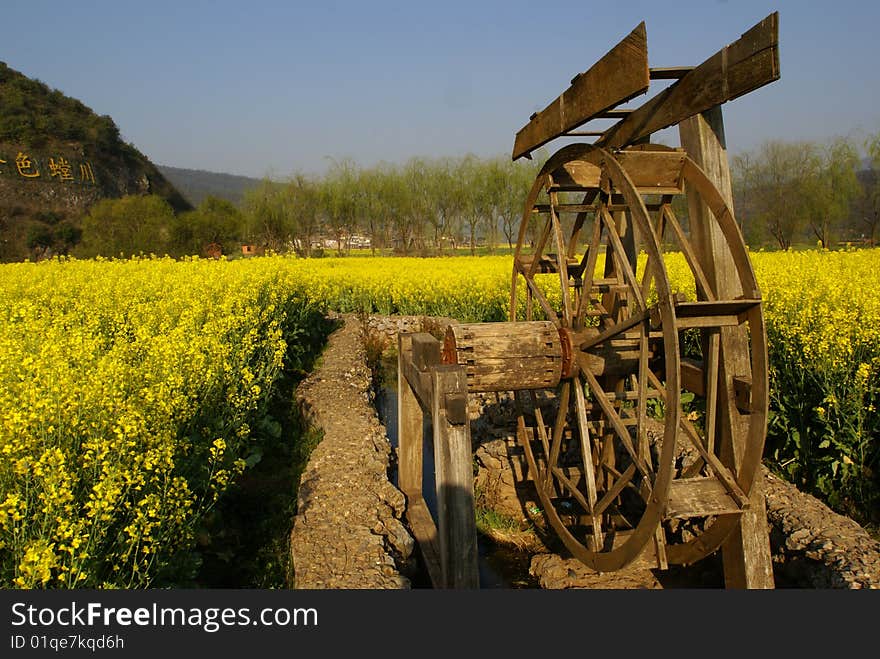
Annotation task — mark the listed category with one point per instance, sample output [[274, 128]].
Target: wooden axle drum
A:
[[507, 356]]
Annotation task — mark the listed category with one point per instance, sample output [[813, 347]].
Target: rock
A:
[[555, 572]]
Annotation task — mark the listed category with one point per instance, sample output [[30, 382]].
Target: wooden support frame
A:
[[746, 552], [425, 386], [623, 73], [739, 68], [616, 78]]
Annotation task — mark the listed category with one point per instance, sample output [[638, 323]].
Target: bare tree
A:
[[775, 182]]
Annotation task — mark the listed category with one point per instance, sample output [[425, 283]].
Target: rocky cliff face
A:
[[57, 158]]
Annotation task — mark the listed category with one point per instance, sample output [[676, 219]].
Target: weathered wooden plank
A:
[[577, 173], [419, 382], [712, 360], [521, 365], [689, 322], [425, 532], [657, 172], [669, 72], [742, 387], [714, 307], [741, 67], [504, 381], [697, 497], [692, 378], [425, 351], [619, 76], [478, 341], [453, 462], [409, 424]]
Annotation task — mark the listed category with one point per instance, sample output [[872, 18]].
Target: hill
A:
[[197, 184], [57, 158]]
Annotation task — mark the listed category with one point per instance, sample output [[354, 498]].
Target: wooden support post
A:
[[410, 451], [746, 553], [409, 424], [449, 545], [454, 476]]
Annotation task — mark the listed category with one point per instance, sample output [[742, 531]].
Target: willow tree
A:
[[831, 189]]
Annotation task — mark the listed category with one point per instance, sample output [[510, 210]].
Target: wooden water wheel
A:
[[641, 358], [636, 351]]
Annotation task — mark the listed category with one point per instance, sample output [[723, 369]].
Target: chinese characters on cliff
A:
[[54, 169]]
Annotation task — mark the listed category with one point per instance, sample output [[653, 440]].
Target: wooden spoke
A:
[[614, 491], [591, 257], [641, 385], [723, 473], [539, 421], [657, 231], [538, 295], [539, 248], [587, 461], [616, 422], [559, 426], [613, 331], [704, 289], [712, 359], [589, 197], [565, 318], [622, 259]]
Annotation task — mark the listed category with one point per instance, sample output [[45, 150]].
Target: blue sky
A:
[[266, 87]]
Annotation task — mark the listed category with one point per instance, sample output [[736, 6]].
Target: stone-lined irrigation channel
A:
[[350, 531]]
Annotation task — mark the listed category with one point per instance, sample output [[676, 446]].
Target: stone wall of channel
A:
[[347, 532]]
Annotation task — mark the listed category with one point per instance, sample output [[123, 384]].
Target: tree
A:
[[868, 208], [372, 214], [339, 200], [268, 220], [831, 188], [492, 183], [473, 198], [303, 198], [128, 226], [443, 188], [418, 209], [215, 221], [775, 181], [516, 185]]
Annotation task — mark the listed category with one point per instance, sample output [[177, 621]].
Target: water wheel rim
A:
[[602, 559]]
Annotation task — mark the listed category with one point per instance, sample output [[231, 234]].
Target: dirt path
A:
[[347, 532]]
